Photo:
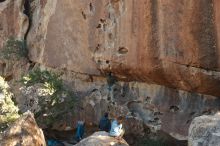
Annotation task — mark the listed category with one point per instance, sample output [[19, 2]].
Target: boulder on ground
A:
[[23, 132], [205, 131], [101, 138]]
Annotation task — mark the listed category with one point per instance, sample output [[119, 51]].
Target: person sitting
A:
[[80, 130], [116, 128], [104, 123]]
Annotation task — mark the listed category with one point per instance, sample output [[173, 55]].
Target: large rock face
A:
[[144, 105], [205, 131], [101, 139], [14, 23], [24, 132], [173, 43]]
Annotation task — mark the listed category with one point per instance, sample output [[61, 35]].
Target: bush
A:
[[8, 110], [55, 105], [14, 49], [51, 81]]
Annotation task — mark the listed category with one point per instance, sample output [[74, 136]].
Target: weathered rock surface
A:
[[24, 132], [205, 131], [172, 43], [101, 139], [14, 23], [145, 105]]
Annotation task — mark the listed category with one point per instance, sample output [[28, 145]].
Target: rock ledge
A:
[[101, 138]]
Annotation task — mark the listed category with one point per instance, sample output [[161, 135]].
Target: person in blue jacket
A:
[[104, 123], [117, 130], [80, 129]]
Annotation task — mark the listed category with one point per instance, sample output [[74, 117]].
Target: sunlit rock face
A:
[[205, 131], [172, 43], [23, 132], [14, 23]]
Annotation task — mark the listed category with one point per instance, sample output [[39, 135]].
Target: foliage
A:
[[51, 81], [56, 111], [60, 99], [14, 49], [8, 111]]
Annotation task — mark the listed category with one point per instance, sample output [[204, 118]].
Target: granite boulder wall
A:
[[13, 22], [171, 43]]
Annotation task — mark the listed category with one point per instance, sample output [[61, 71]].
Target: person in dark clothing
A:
[[111, 80], [80, 129], [104, 123]]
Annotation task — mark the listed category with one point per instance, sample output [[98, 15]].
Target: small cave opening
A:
[[174, 108], [104, 27], [192, 113], [84, 15], [107, 61], [188, 121], [207, 112], [110, 36], [97, 48], [27, 12], [156, 119], [99, 26], [109, 98], [122, 50], [4, 65], [91, 78], [99, 62], [102, 24], [115, 89], [2, 1], [147, 99], [94, 90], [8, 78], [158, 113], [32, 64], [1, 26], [27, 8], [102, 20], [91, 8]]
